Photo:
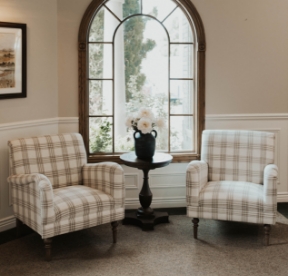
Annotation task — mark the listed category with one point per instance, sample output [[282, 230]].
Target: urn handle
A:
[[140, 133], [134, 134], [155, 133]]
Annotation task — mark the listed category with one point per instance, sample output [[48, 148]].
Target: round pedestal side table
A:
[[145, 216]]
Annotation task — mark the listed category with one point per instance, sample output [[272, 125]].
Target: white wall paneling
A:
[[7, 223], [167, 184]]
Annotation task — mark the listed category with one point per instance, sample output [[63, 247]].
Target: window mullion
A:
[[169, 95], [169, 14], [113, 95], [113, 13]]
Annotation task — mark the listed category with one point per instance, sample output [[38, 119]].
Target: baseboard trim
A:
[[157, 202], [7, 223], [282, 197]]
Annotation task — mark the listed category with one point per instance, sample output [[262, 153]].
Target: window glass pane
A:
[[182, 129], [123, 10], [100, 97], [181, 97], [100, 134], [100, 61], [178, 27], [141, 47], [158, 8], [103, 26], [96, 30], [181, 58]]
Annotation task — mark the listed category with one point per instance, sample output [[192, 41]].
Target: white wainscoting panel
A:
[[167, 184]]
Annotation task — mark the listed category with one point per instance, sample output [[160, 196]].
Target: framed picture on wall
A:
[[13, 67]]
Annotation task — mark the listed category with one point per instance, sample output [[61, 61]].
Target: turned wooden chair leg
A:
[[267, 228], [19, 225], [47, 246], [195, 226], [114, 225]]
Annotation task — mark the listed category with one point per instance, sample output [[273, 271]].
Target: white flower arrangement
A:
[[144, 121]]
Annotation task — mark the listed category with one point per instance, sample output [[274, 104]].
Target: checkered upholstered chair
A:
[[235, 180], [55, 191]]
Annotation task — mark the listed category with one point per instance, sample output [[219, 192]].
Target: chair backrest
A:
[[59, 157], [237, 155]]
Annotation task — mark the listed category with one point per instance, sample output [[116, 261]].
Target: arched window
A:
[[141, 53]]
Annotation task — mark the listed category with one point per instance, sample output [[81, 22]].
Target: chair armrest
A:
[[270, 187], [107, 177], [32, 197], [196, 178]]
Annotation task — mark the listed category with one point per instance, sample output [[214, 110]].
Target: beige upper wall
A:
[[246, 58], [70, 13], [247, 55], [42, 86]]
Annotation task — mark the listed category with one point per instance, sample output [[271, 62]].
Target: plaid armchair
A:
[[235, 179], [54, 191]]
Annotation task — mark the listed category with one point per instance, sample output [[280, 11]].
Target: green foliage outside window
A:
[[134, 47], [101, 141]]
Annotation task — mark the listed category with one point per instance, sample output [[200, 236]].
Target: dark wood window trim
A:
[[200, 43]]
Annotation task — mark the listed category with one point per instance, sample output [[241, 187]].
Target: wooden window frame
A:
[[196, 23]]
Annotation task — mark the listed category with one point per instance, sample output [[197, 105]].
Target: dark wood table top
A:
[[159, 160]]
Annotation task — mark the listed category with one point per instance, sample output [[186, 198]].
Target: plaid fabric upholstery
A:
[[228, 196], [237, 155], [196, 178], [32, 198], [59, 157], [238, 199], [79, 207], [64, 206], [78, 223], [270, 188], [108, 177], [77, 201]]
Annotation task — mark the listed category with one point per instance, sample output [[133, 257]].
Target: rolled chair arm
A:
[[26, 179], [32, 197], [196, 178], [107, 177], [270, 187]]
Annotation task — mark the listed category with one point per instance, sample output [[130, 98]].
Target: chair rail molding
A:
[[256, 116]]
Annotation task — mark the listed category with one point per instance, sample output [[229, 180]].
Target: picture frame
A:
[[13, 60]]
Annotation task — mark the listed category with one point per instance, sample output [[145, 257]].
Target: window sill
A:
[[177, 158]]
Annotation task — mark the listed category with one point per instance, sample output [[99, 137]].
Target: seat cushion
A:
[[81, 201], [232, 196]]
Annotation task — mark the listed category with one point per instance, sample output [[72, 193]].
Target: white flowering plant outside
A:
[[144, 121]]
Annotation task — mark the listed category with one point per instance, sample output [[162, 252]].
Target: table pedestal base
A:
[[146, 223]]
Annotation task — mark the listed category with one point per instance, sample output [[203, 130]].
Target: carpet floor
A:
[[223, 248]]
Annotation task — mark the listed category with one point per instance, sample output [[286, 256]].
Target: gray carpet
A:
[[223, 248]]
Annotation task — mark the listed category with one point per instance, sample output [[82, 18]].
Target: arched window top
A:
[[104, 73], [166, 13], [146, 7]]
